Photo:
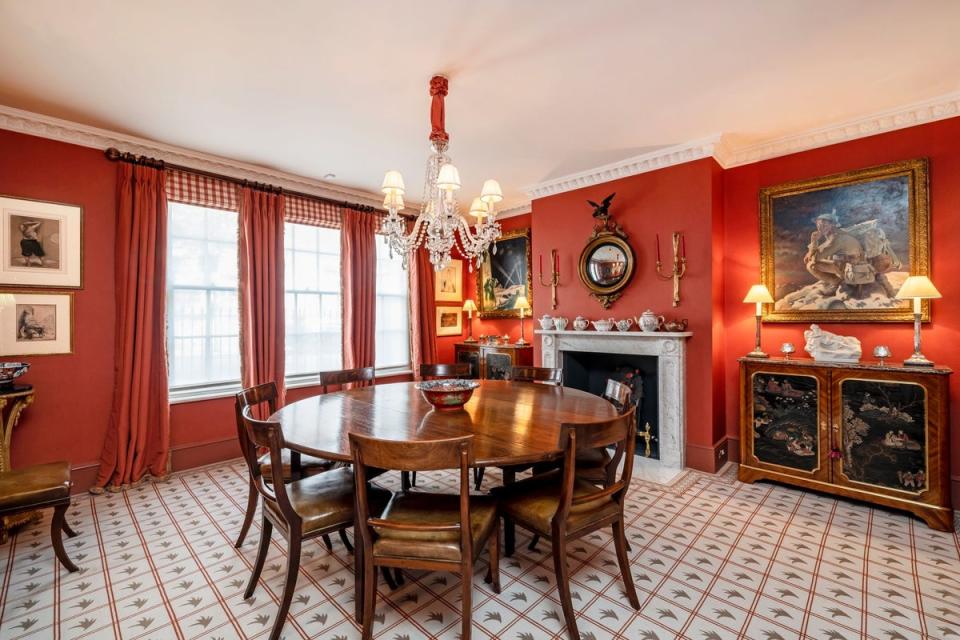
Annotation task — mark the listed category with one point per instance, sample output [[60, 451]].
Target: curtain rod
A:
[[116, 155]]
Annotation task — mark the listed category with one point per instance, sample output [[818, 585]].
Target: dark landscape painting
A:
[[884, 434], [785, 420]]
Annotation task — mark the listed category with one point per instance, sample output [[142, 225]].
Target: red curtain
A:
[[138, 439], [423, 313], [358, 279], [261, 288]]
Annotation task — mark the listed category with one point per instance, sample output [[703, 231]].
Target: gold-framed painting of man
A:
[[838, 248]]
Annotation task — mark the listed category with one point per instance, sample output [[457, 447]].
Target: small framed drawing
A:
[[449, 321], [40, 243], [36, 323], [448, 282]]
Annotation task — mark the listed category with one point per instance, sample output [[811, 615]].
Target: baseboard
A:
[[197, 454], [83, 476]]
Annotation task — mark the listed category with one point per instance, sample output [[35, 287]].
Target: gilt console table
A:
[[13, 400], [865, 431]]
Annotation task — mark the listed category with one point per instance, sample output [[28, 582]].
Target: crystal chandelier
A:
[[440, 226]]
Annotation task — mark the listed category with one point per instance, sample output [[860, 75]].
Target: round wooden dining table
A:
[[512, 423]]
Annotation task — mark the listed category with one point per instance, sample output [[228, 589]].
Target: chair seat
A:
[[433, 509], [34, 485], [326, 500], [534, 501], [308, 465]]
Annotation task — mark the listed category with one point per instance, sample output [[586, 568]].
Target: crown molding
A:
[[86, 136], [729, 155], [518, 210], [650, 161], [911, 115]]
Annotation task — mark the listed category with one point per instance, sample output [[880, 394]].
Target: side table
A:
[[13, 400]]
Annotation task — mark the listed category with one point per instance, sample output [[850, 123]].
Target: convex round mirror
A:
[[606, 266]]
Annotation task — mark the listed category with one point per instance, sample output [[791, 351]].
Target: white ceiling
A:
[[538, 89]]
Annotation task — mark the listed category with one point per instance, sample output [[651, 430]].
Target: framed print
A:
[[449, 321], [448, 282], [505, 275], [36, 323], [838, 248], [40, 243]]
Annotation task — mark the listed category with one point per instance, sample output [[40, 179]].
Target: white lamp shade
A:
[[491, 193], [469, 305], [917, 287], [393, 183], [449, 178], [477, 208], [521, 303], [758, 293], [393, 201]]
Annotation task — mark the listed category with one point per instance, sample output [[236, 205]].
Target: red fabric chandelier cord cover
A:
[[358, 279], [138, 439], [438, 89], [261, 289]]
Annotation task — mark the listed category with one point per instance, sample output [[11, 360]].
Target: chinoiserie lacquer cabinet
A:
[[493, 362], [870, 432]]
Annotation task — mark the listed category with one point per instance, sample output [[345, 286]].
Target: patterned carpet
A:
[[712, 559]]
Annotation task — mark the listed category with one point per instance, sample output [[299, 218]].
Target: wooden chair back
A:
[[618, 394], [360, 377], [269, 436], [427, 455], [442, 370], [262, 399], [620, 432], [546, 375]]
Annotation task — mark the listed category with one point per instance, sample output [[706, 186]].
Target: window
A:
[[393, 313], [312, 303], [203, 321]]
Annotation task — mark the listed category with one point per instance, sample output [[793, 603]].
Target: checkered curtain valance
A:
[[313, 212], [200, 190]]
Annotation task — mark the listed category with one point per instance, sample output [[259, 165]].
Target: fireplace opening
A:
[[589, 371]]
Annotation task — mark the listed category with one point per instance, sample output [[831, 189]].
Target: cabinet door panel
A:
[[883, 435], [497, 365], [473, 357], [786, 417]]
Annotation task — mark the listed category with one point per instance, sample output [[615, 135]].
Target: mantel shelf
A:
[[616, 334]]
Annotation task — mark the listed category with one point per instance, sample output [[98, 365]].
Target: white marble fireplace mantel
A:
[[670, 350]]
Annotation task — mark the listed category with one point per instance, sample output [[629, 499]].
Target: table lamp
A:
[[522, 304], [917, 288], [759, 294], [469, 306]]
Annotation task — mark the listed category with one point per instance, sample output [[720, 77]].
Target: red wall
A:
[[492, 326], [937, 141], [683, 198], [69, 417]]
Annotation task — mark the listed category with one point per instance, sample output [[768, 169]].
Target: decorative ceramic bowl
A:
[[447, 395], [881, 352], [786, 349], [9, 371]]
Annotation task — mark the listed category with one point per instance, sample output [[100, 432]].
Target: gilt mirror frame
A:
[[607, 232]]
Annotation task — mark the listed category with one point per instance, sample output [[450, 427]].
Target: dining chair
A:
[[360, 377], [426, 531], [264, 398], [438, 371], [445, 370], [594, 465], [543, 375], [564, 507], [300, 510], [38, 487]]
